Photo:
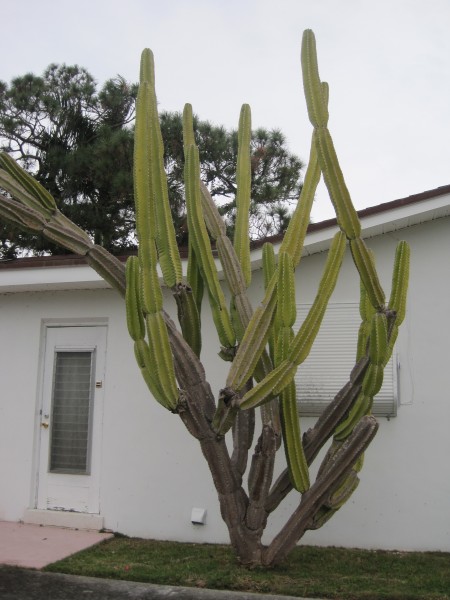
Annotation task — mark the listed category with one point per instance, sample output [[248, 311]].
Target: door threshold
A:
[[62, 518]]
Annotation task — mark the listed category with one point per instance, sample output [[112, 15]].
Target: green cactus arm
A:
[[143, 191], [147, 67], [151, 295], [25, 216], [294, 452], [198, 234], [392, 339], [270, 386], [315, 101], [316, 95], [202, 248], [150, 288], [188, 316], [269, 270], [400, 279], [68, 238], [153, 159], [194, 277], [361, 407], [227, 256], [144, 361], [188, 127], [366, 311], [12, 184], [44, 199], [363, 338], [334, 180], [373, 380], [135, 319], [378, 342], [161, 358], [254, 341], [243, 181], [232, 269], [286, 309], [214, 222], [290, 421], [150, 300], [294, 237], [168, 253], [197, 228], [365, 264], [268, 263]]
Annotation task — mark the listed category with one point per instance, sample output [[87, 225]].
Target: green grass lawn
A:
[[309, 571]]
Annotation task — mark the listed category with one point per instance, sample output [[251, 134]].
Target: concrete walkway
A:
[[35, 546]]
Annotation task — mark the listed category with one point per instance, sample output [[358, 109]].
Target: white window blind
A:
[[71, 412], [327, 368]]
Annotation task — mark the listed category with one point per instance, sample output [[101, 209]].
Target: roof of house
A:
[[70, 271]]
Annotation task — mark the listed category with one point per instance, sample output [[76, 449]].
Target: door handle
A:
[[44, 425]]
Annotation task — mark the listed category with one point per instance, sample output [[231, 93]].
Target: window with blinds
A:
[[71, 412], [332, 357]]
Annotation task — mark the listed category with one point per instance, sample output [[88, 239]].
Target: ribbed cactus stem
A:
[[243, 182], [202, 249], [169, 257], [294, 238], [290, 422], [316, 94], [150, 295], [41, 199]]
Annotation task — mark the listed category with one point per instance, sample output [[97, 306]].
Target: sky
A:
[[387, 63]]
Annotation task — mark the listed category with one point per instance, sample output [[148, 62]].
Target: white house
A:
[[140, 473]]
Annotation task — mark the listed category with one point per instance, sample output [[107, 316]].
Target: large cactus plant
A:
[[260, 346]]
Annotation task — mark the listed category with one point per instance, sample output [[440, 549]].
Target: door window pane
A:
[[71, 409]]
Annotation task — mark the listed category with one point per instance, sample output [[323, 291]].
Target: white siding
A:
[[153, 472]]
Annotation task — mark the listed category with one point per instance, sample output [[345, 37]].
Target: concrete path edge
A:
[[26, 584]]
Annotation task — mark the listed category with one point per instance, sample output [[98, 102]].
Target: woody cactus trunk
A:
[[260, 346]]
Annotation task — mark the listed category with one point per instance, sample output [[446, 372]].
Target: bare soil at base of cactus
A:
[[309, 571]]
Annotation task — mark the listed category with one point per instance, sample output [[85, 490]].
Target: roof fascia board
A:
[[81, 276]]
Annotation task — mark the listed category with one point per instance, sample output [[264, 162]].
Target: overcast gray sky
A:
[[387, 63]]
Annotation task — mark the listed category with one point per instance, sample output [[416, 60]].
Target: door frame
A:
[[47, 324]]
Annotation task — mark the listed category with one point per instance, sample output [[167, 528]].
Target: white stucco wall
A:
[[153, 473]]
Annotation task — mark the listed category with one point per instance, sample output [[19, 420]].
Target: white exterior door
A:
[[70, 419]]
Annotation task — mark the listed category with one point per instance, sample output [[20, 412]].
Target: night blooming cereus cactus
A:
[[260, 346]]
